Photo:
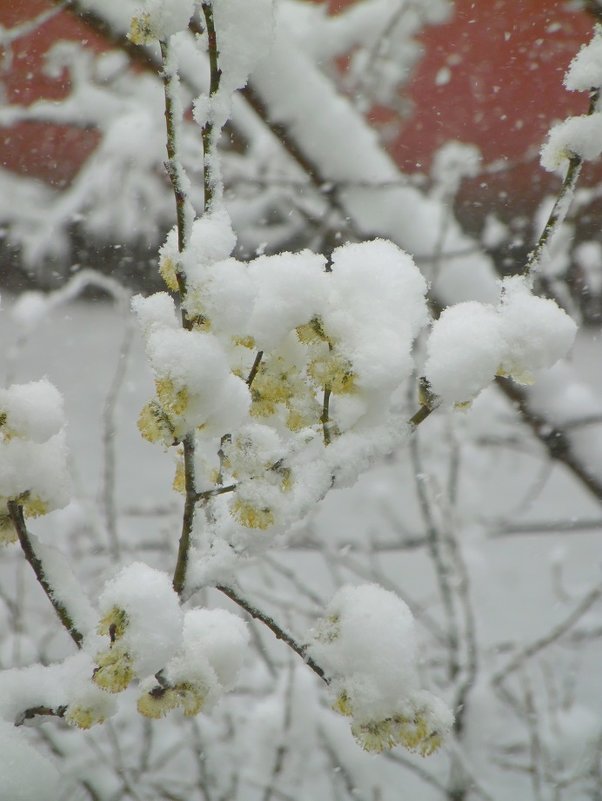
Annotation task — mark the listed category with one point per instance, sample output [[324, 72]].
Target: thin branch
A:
[[556, 441], [173, 167], [211, 493], [15, 512], [255, 368], [436, 551], [108, 440], [325, 416], [552, 636], [176, 175], [208, 131], [563, 201], [40, 711], [280, 633]]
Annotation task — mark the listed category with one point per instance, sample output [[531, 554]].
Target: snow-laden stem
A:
[[16, 515], [40, 711], [563, 201], [210, 178], [279, 632], [174, 171], [172, 165]]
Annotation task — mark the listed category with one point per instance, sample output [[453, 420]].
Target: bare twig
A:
[[16, 514], [254, 368], [552, 636], [40, 711], [279, 632]]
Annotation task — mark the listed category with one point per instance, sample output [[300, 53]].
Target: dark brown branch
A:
[[208, 131], [555, 440], [40, 711], [325, 416], [211, 493], [255, 368], [16, 515], [274, 628]]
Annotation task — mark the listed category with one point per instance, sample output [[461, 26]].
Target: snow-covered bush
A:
[[276, 380]]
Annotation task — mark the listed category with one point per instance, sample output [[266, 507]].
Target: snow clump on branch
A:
[[366, 643], [473, 342], [33, 452], [579, 136]]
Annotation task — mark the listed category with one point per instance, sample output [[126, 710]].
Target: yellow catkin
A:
[[168, 272], [114, 671], [141, 32], [179, 481], [250, 516], [83, 717], [114, 623], [157, 702]]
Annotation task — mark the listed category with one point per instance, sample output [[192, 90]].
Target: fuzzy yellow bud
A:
[[83, 717], [174, 401], [157, 702], [312, 332], [250, 516], [413, 733], [8, 533], [168, 272], [114, 623], [114, 671], [179, 481], [155, 425], [334, 372], [191, 697], [141, 32], [342, 705]]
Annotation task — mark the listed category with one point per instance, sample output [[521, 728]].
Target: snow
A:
[[160, 20], [366, 644], [153, 625], [214, 647], [26, 774], [36, 471], [32, 411], [576, 136], [536, 331], [464, 351], [585, 70]]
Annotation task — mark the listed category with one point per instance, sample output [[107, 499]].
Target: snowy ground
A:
[[522, 587]]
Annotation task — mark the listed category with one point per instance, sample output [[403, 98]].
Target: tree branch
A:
[[279, 632], [563, 200], [16, 514]]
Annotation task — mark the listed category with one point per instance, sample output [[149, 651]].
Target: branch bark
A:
[[16, 514]]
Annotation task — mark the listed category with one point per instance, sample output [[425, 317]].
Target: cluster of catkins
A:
[[183, 660], [367, 646], [286, 370]]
